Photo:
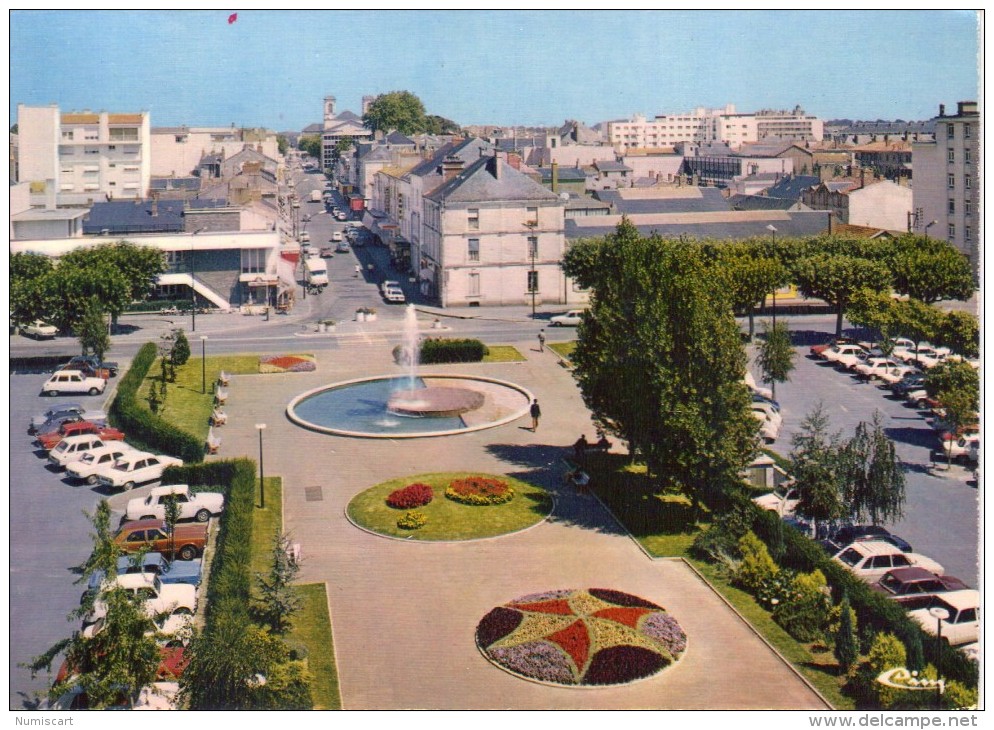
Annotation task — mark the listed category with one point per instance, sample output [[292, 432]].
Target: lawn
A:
[[565, 349], [503, 353], [449, 520]]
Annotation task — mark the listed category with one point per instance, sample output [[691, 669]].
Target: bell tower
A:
[[329, 109]]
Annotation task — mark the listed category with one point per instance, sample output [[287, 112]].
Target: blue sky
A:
[[272, 68]]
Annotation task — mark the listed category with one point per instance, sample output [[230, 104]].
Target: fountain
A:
[[411, 405]]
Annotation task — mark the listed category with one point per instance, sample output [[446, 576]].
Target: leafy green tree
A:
[[835, 279], [660, 360], [960, 331], [916, 320], [752, 276], [930, 271], [397, 110], [171, 508], [180, 352], [310, 144], [814, 464], [103, 556], [278, 598], [28, 275], [282, 145], [875, 311], [435, 124], [139, 265], [92, 330], [846, 649], [776, 355], [342, 146], [956, 385], [871, 475]]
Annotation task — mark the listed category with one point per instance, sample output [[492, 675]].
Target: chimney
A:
[[966, 107], [451, 166], [555, 177], [942, 110], [862, 177], [497, 162]]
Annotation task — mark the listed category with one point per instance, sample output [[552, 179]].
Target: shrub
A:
[[757, 566], [479, 491], [413, 495], [144, 428], [804, 613], [846, 649], [412, 521], [721, 539], [436, 350], [181, 349], [886, 653]]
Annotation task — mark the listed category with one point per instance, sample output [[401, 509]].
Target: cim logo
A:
[[902, 678]]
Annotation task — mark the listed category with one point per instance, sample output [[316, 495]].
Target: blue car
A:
[[179, 571]]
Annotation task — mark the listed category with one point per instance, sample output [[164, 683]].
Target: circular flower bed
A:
[[478, 490], [581, 637], [411, 496], [287, 364]]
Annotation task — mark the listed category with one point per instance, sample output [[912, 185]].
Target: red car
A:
[[151, 535], [817, 350], [914, 587], [49, 441]]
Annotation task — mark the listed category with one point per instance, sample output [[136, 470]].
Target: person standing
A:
[[541, 340], [536, 413]]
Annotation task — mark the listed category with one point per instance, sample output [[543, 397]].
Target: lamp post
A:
[[203, 364], [773, 232], [262, 487], [929, 225], [940, 614]]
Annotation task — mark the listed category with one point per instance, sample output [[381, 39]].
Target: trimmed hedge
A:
[[436, 350], [140, 424]]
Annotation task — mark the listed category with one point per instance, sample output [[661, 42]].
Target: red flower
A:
[[626, 616], [575, 641]]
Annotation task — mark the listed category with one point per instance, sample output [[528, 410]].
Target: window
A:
[[532, 281], [952, 231], [950, 155], [967, 131], [968, 207], [474, 249], [474, 285], [968, 181], [967, 233], [531, 217], [474, 218], [253, 261], [952, 206], [950, 131], [967, 156], [120, 134], [67, 135], [951, 181], [532, 246]]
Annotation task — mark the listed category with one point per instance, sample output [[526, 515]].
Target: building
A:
[[336, 127], [891, 160], [180, 151], [663, 200], [42, 222], [718, 225], [85, 156], [884, 204], [493, 236], [947, 183]]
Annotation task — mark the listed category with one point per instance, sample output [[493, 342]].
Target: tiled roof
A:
[[792, 186], [466, 150], [398, 138], [125, 216], [760, 202], [734, 225], [175, 183], [491, 179], [565, 174], [685, 200]]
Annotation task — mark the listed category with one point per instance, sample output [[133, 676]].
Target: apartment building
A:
[[85, 156], [947, 185], [178, 151]]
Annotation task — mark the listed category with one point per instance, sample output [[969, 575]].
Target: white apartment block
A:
[[86, 156], [177, 151], [947, 183], [708, 126]]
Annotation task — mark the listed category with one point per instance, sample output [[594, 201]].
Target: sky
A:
[[273, 68]]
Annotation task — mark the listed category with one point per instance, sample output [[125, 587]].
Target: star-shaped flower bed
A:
[[581, 637]]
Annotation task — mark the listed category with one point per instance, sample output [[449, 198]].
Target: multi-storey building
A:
[[178, 151], [947, 186], [86, 156], [341, 126]]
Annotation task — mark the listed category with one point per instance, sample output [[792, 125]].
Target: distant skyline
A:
[[535, 68]]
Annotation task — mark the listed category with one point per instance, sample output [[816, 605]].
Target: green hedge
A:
[[436, 350], [143, 427]]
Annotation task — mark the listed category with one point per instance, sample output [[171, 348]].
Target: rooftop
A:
[[733, 225], [491, 179]]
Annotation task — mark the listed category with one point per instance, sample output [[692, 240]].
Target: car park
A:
[[964, 450], [189, 538], [179, 571], [783, 500], [962, 622], [572, 318], [914, 587], [40, 330], [72, 449], [135, 468], [50, 440], [394, 295], [58, 414], [73, 381], [85, 468], [197, 506], [871, 559]]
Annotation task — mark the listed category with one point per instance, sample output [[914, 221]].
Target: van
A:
[[317, 272]]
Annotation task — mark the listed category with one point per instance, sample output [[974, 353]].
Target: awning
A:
[[259, 279]]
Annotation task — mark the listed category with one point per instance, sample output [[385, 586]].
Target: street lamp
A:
[[940, 614], [203, 364], [773, 232], [929, 225], [262, 487]]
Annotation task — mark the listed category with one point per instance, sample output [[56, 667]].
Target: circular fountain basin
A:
[[389, 407]]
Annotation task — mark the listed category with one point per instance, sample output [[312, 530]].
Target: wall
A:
[[39, 134], [881, 205]]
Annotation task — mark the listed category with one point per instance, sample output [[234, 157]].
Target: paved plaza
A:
[[404, 614]]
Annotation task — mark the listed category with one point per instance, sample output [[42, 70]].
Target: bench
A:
[[576, 476], [218, 417], [220, 396], [223, 378], [213, 442]]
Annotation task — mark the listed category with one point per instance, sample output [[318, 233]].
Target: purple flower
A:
[[664, 628], [536, 659], [620, 599], [496, 625]]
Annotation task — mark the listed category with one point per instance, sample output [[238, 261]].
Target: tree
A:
[[752, 276], [815, 467], [180, 352], [171, 508], [310, 144], [660, 360], [930, 270], [278, 598], [960, 331], [916, 320], [28, 275], [835, 278], [875, 311], [846, 648], [776, 355], [140, 265], [342, 146], [397, 110], [956, 385], [92, 330], [435, 124], [871, 475], [282, 145]]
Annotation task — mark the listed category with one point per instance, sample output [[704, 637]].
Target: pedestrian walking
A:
[[536, 413], [358, 270], [541, 340]]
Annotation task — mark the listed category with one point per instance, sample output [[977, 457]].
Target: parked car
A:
[[72, 449], [817, 351], [963, 622], [835, 352], [964, 450], [892, 376], [769, 429], [93, 362], [158, 597], [771, 412], [572, 318], [343, 247], [394, 295], [917, 397], [783, 500], [180, 571], [846, 536], [137, 467], [914, 587], [853, 359], [51, 439], [152, 535], [871, 559], [73, 381], [926, 355], [85, 469], [388, 283], [197, 506], [336, 236], [40, 330], [342, 216], [872, 367], [913, 380], [327, 252], [57, 414]]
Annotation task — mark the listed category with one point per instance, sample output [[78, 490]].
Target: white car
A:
[[926, 356], [872, 367], [965, 449], [388, 283], [85, 469], [890, 376], [768, 429], [783, 500], [40, 330], [137, 467], [572, 318], [771, 411], [72, 448], [160, 598], [963, 622], [394, 294], [73, 381], [336, 236], [197, 506], [871, 559], [837, 351]]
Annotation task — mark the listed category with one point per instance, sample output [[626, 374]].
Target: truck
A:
[[316, 271], [315, 196]]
